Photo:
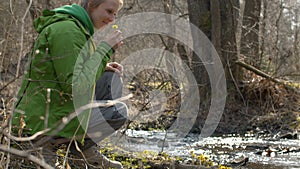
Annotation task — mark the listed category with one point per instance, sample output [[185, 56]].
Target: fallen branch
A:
[[25, 154], [258, 72], [265, 75]]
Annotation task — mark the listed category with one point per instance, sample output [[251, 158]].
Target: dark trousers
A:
[[104, 121]]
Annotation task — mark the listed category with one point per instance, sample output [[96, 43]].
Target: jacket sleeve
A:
[[74, 61]]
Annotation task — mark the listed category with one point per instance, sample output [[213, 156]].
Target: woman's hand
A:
[[114, 39], [115, 67]]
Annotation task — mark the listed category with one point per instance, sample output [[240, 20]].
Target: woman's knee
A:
[[121, 111], [109, 86], [119, 116]]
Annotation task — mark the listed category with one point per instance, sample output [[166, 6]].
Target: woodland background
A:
[[258, 42]]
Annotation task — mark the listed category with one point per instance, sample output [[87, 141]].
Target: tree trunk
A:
[[199, 15], [250, 33], [262, 35], [170, 42], [296, 39], [220, 26], [215, 25], [229, 16]]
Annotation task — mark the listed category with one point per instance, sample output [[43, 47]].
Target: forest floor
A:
[[262, 106]]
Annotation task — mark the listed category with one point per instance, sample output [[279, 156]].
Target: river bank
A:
[[247, 151]]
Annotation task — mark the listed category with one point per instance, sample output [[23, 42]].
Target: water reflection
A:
[[260, 153]]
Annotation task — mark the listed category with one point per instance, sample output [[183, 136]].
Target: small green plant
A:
[[204, 160], [224, 167]]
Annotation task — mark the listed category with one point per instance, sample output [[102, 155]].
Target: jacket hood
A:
[[53, 16]]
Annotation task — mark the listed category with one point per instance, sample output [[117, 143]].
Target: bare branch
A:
[[22, 38], [23, 139], [47, 108], [66, 120], [25, 154], [10, 7]]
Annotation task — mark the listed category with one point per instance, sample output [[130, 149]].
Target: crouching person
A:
[[64, 56]]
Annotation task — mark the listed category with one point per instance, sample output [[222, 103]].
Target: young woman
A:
[[64, 56]]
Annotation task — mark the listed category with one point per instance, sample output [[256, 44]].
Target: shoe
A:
[[95, 158]]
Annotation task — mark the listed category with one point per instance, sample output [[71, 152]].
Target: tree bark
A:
[[296, 39], [216, 25], [199, 15], [250, 33], [229, 16], [263, 32]]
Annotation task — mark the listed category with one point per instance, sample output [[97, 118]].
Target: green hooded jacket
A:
[[63, 68]]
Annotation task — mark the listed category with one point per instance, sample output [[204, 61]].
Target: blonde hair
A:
[[96, 3]]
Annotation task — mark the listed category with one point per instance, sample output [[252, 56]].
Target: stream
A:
[[258, 152]]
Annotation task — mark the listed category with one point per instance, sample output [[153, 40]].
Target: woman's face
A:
[[105, 13]]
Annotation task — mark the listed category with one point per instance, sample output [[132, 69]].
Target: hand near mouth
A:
[[114, 39]]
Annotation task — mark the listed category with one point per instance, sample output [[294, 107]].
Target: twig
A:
[[48, 101], [10, 82], [25, 154], [136, 116], [69, 146], [22, 38], [235, 83], [63, 123], [10, 7], [164, 142], [2, 41], [8, 143], [23, 139], [67, 153], [66, 120]]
